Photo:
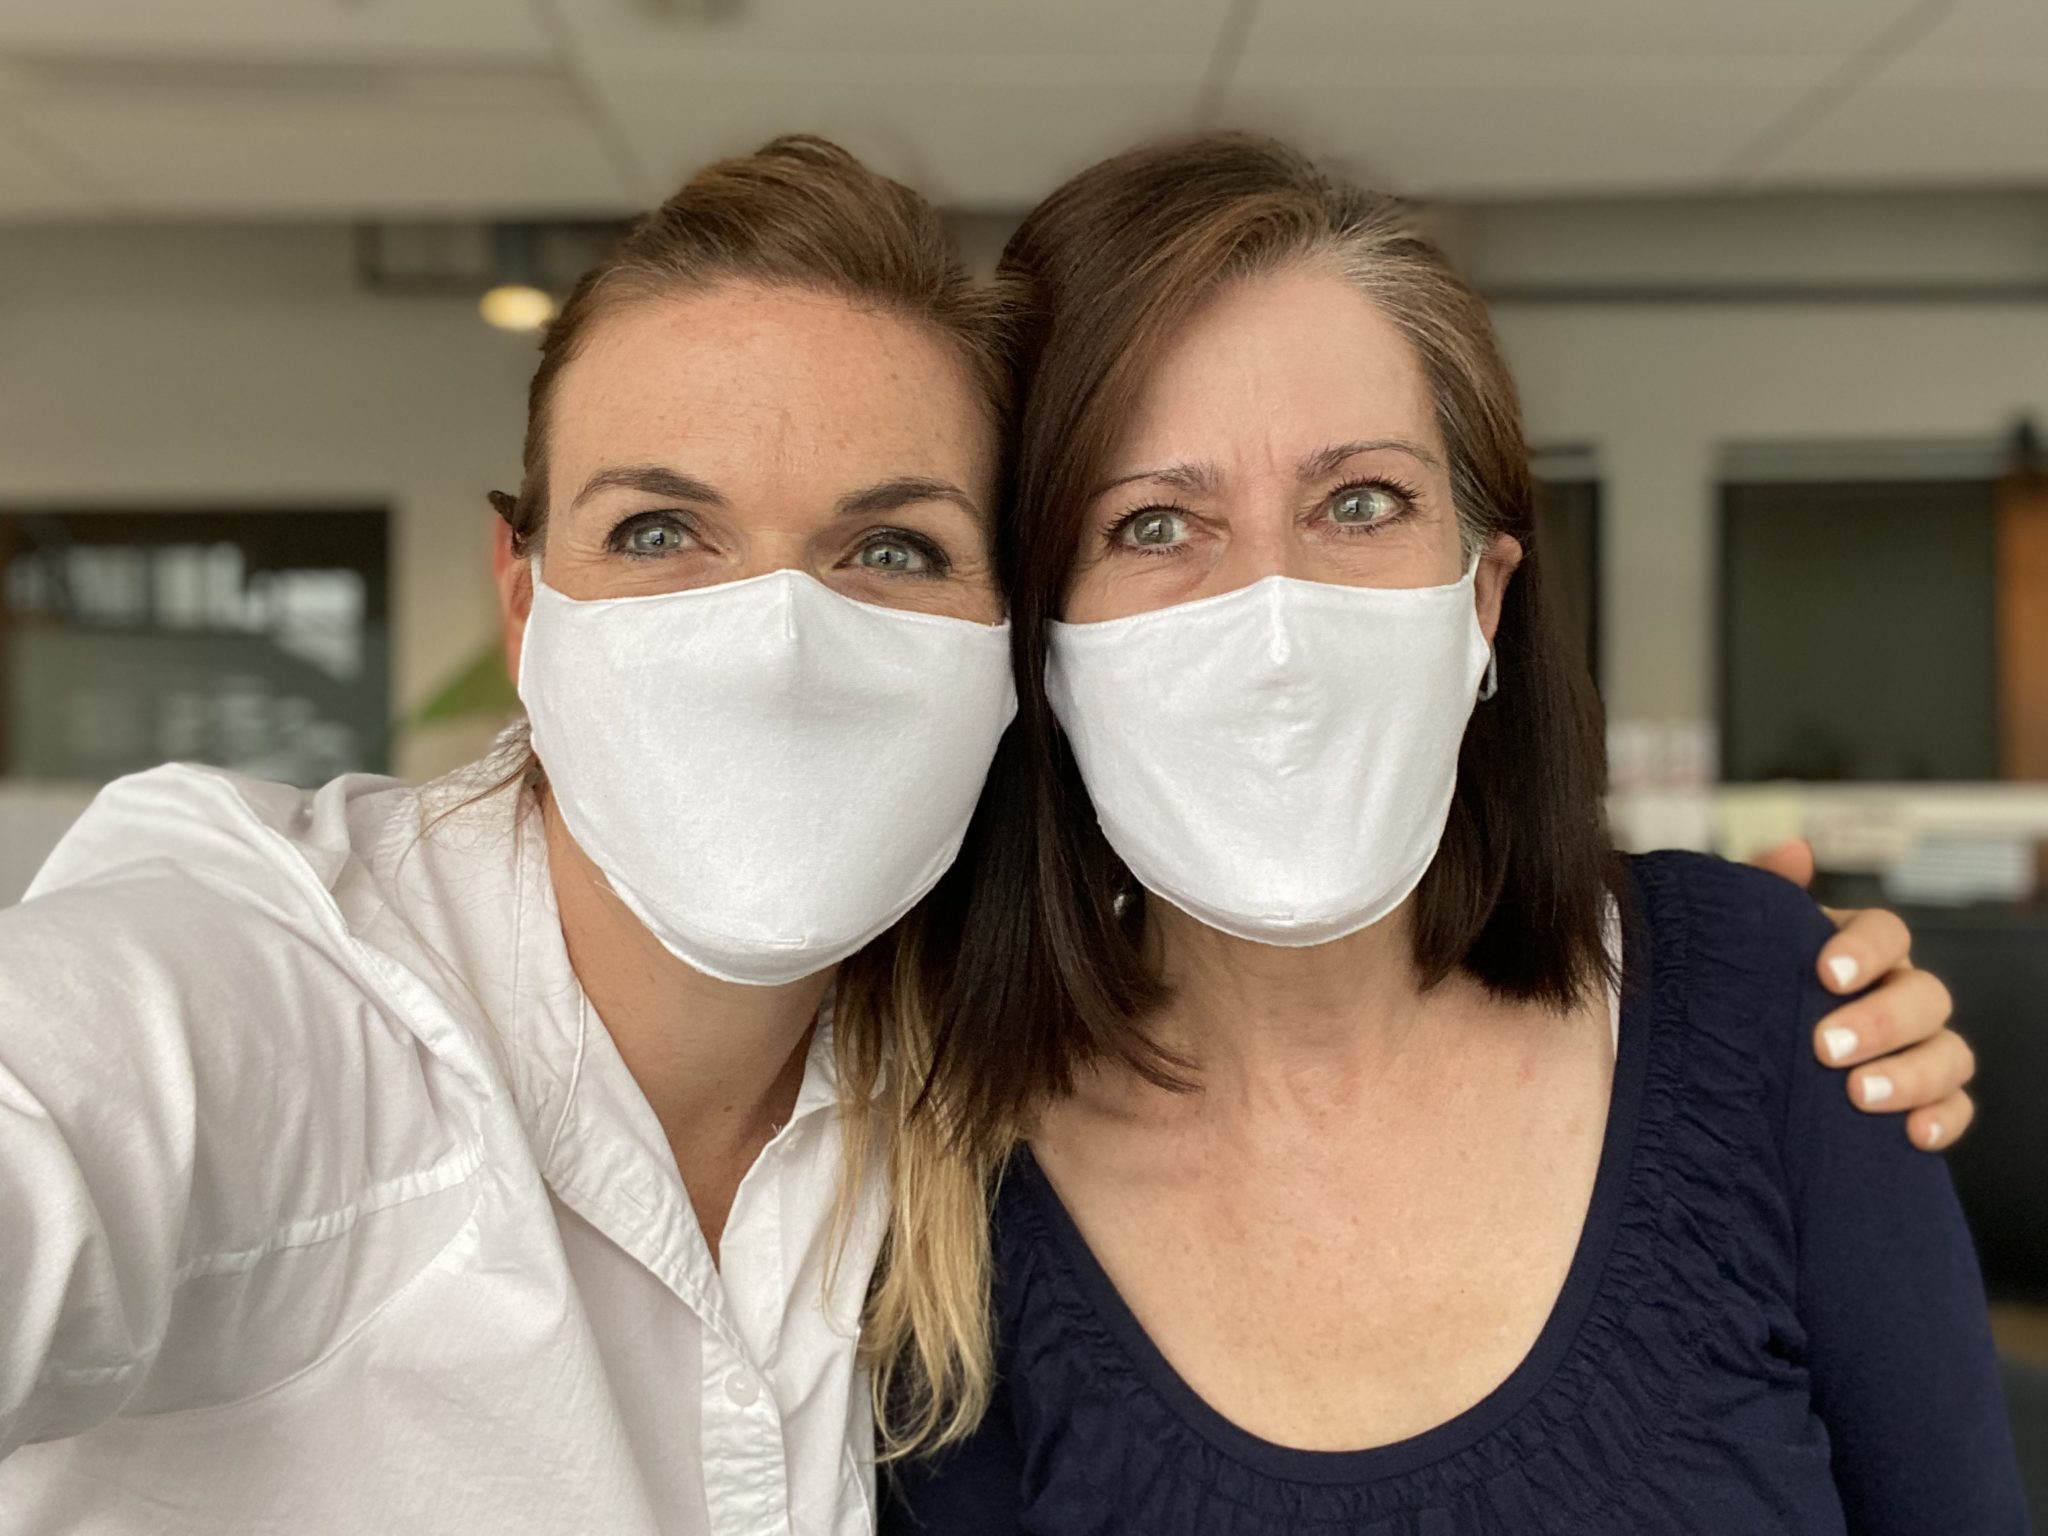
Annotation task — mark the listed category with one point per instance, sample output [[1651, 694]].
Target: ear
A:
[[1497, 566], [513, 574]]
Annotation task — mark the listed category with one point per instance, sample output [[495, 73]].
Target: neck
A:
[[1258, 1020], [720, 1063]]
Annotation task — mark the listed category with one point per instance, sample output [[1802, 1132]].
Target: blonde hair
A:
[[926, 1331], [803, 212]]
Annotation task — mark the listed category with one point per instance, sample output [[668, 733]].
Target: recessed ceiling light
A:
[[516, 307]]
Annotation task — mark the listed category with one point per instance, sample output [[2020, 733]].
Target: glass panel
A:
[[255, 641], [1858, 637]]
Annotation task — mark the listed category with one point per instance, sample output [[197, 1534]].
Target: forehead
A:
[[1279, 361], [740, 381]]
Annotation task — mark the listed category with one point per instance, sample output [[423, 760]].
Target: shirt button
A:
[[742, 1388]]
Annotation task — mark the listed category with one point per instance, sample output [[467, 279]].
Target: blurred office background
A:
[[1773, 278]]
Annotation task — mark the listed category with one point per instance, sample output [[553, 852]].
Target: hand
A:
[[1897, 1035]]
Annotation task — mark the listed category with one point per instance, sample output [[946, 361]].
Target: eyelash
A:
[[1406, 494]]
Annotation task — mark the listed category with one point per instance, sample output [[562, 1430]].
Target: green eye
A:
[[651, 534], [893, 556], [654, 538], [1366, 504], [1153, 529]]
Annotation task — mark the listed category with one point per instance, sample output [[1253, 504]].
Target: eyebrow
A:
[[904, 491], [652, 478], [1200, 479], [1316, 465], [1195, 478], [886, 496]]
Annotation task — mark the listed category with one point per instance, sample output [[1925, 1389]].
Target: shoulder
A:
[[1744, 941], [1721, 966], [192, 902], [182, 982], [1727, 907], [258, 840], [261, 847], [204, 878]]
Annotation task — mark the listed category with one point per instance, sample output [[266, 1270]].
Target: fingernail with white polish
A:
[[1933, 1134], [1839, 1042], [1843, 969], [1876, 1090]]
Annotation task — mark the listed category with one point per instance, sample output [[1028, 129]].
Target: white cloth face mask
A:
[[1277, 761], [767, 773]]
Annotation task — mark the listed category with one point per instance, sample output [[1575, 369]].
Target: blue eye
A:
[[1364, 504], [893, 555], [1155, 529], [650, 535], [900, 552]]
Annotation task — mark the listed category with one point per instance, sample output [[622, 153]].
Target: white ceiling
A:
[[326, 108]]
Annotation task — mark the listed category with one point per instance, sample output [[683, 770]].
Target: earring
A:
[[1491, 686]]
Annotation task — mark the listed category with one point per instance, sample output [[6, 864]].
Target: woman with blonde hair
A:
[[468, 1157]]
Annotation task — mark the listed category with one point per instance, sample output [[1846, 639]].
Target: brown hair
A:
[[1108, 269], [804, 213]]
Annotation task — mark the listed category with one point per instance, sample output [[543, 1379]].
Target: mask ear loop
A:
[[1491, 685]]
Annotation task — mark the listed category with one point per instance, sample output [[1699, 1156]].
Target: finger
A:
[[1924, 1075], [1789, 861], [1939, 1125], [1910, 1007], [1869, 944]]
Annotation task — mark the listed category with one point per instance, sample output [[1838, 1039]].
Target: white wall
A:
[[243, 368]]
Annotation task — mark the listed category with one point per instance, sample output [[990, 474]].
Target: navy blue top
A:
[[1773, 1322]]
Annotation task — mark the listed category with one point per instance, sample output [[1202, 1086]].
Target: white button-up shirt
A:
[[327, 1204]]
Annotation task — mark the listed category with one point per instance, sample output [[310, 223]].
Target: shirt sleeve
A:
[[97, 1149], [1904, 1372], [219, 1149], [975, 1485]]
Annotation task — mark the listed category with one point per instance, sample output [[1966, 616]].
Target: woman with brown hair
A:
[[1396, 1158]]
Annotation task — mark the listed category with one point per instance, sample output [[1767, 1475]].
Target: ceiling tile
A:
[[332, 156], [1966, 105], [1481, 126], [967, 138], [332, 107], [165, 29], [2007, 31], [1939, 121], [904, 28], [31, 188], [1367, 36], [979, 103]]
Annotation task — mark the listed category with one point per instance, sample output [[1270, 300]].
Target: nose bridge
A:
[[1263, 542], [773, 549]]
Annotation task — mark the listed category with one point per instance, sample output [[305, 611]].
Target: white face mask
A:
[[1278, 761], [768, 774]]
